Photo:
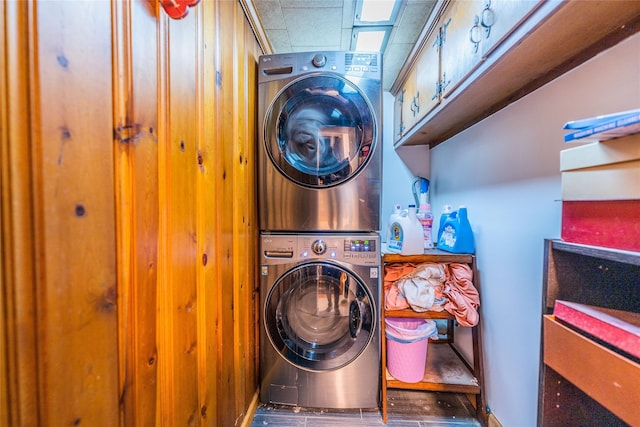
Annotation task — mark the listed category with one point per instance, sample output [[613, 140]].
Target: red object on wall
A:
[[609, 223], [178, 9]]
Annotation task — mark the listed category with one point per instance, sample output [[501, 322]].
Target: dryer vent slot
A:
[[277, 70]]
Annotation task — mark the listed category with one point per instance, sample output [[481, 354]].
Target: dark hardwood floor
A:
[[405, 409]]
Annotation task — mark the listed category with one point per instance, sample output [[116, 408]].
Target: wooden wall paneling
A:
[[132, 169], [18, 401], [136, 168], [4, 226], [252, 296], [182, 221], [208, 287], [74, 212], [225, 143], [208, 291], [164, 332], [146, 210], [123, 135], [240, 209]]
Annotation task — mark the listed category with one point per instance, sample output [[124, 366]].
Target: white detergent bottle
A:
[[406, 237], [392, 218]]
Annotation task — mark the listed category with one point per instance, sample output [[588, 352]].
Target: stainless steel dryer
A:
[[320, 155], [320, 344]]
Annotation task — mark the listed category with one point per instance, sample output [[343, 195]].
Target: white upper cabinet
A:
[[398, 125], [420, 92], [477, 56], [471, 29], [497, 18], [459, 55], [408, 108], [428, 77]]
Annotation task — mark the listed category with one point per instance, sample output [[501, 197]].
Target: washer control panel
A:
[[362, 250]]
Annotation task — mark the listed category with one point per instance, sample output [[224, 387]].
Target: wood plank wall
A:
[[129, 238]]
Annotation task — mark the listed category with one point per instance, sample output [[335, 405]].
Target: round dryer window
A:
[[319, 317], [320, 131]]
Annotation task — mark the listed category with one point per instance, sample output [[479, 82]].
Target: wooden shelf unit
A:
[[446, 369], [583, 382]]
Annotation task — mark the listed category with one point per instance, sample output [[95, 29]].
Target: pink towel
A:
[[393, 299], [463, 299]]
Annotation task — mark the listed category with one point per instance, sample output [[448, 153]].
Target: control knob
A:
[[319, 60], [319, 247]]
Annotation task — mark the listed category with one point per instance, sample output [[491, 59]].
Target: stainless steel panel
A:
[[352, 205], [354, 385]]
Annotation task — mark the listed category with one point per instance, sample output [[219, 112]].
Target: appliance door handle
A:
[[355, 318]]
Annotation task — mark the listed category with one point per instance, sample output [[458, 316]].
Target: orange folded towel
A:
[[463, 298]]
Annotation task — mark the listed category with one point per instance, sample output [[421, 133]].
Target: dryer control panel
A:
[[366, 65], [360, 250]]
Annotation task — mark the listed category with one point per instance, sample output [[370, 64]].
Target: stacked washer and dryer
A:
[[319, 208]]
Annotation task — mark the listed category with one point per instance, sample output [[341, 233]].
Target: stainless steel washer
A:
[[320, 343], [320, 154]]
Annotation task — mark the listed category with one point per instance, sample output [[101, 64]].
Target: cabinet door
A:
[[409, 110], [398, 125], [428, 76], [459, 54], [498, 18]]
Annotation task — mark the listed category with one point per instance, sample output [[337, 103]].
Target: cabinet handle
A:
[[474, 34], [488, 18], [442, 39], [444, 83], [438, 90], [415, 104]]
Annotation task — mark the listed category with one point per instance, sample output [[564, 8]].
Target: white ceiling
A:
[[313, 25]]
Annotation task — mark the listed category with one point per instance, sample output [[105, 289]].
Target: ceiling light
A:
[[376, 12], [370, 39]]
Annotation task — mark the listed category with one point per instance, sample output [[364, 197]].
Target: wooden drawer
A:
[[603, 374]]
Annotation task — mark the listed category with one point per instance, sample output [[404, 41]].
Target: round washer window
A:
[[320, 130], [318, 316]]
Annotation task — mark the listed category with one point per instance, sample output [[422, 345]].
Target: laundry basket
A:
[[407, 341]]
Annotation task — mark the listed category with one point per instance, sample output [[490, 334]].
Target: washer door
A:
[[319, 317], [320, 130]]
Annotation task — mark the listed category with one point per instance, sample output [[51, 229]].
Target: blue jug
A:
[[456, 235]]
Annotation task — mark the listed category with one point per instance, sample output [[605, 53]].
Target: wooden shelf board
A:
[[430, 255], [444, 371], [409, 313], [618, 255], [608, 377]]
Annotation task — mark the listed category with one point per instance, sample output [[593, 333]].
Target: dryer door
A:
[[319, 316], [320, 131]]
